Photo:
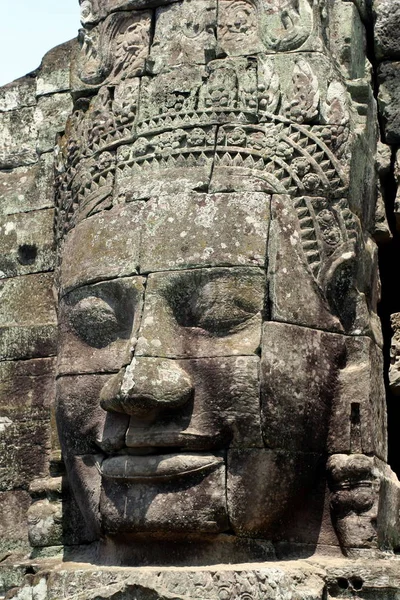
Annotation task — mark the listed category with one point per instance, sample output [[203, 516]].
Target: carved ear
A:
[[339, 286]]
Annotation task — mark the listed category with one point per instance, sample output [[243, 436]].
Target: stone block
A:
[[26, 399], [27, 188], [347, 38], [237, 29], [98, 325], [103, 246], [193, 230], [389, 100], [13, 525], [84, 427], [203, 313], [50, 118], [294, 295], [18, 138], [386, 32], [20, 93], [359, 423], [81, 509], [45, 524], [54, 70], [26, 243], [277, 495], [173, 91], [299, 385], [27, 317], [184, 33]]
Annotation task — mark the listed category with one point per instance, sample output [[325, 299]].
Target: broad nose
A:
[[146, 386]]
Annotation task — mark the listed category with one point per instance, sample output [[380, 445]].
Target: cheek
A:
[[227, 399], [80, 419]]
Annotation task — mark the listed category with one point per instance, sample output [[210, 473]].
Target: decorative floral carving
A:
[[304, 102], [115, 49]]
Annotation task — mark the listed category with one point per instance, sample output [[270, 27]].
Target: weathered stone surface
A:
[[247, 29], [26, 243], [143, 174], [277, 495], [396, 173], [27, 188], [45, 523], [394, 372], [104, 246], [194, 230], [204, 312], [114, 50], [18, 138], [389, 99], [358, 423], [184, 33], [98, 325], [291, 283], [174, 91], [82, 439], [11, 576], [14, 530], [18, 94], [362, 487], [387, 22], [348, 38], [219, 414], [314, 255], [95, 10], [26, 398], [193, 501], [50, 118], [299, 380], [53, 74], [380, 228], [27, 317], [312, 578]]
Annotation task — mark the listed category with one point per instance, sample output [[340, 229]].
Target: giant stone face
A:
[[216, 285]]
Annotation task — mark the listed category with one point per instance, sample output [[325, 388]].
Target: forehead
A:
[[168, 233]]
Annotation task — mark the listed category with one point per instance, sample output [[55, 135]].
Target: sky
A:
[[29, 28]]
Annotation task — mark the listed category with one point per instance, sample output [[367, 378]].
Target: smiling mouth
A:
[[158, 467]]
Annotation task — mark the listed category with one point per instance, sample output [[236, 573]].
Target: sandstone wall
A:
[[33, 110]]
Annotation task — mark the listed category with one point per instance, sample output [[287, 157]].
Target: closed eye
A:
[[94, 321], [218, 301]]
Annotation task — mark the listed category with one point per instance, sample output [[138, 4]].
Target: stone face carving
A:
[[218, 286]]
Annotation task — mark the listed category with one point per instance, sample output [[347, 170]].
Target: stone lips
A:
[[159, 467]]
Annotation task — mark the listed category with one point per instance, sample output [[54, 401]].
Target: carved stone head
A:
[[216, 281]]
